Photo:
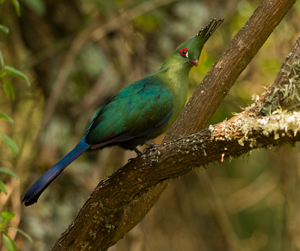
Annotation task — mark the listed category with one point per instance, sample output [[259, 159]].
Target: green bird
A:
[[141, 111]]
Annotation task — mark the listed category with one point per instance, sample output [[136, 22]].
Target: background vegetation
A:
[[77, 55]]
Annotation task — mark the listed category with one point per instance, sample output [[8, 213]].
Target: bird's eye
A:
[[184, 52]]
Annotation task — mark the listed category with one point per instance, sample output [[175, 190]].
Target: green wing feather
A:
[[134, 110]]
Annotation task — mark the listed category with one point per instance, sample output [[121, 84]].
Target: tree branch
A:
[[120, 201], [280, 93]]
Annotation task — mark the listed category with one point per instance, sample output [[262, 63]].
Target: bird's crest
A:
[[206, 32], [195, 44]]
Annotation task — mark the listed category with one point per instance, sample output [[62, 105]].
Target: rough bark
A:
[[120, 201]]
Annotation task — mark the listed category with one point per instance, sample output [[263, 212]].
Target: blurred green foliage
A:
[[38, 6], [258, 192], [5, 72]]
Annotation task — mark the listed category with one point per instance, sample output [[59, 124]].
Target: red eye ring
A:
[[183, 52]]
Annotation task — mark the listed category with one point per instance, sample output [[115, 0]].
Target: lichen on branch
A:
[[259, 132], [286, 95]]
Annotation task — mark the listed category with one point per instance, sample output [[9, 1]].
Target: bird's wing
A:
[[135, 111]]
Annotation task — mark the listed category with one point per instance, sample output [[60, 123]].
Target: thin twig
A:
[[94, 33]]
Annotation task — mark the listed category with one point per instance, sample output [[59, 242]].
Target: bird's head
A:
[[189, 52]]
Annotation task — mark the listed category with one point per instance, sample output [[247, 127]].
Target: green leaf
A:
[[17, 6], [5, 116], [10, 172], [11, 88], [25, 235], [8, 88], [3, 187], [2, 1], [13, 72], [9, 243], [1, 60], [7, 216], [10, 143], [4, 29]]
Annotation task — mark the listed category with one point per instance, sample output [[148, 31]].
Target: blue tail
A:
[[43, 182]]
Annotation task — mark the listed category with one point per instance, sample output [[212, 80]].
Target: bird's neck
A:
[[176, 72], [176, 77]]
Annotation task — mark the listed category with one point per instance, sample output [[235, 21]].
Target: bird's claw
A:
[[138, 152]]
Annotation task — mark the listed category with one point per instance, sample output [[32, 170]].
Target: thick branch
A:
[[111, 210]]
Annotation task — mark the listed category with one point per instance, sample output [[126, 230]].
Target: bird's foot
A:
[[138, 152], [151, 144]]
